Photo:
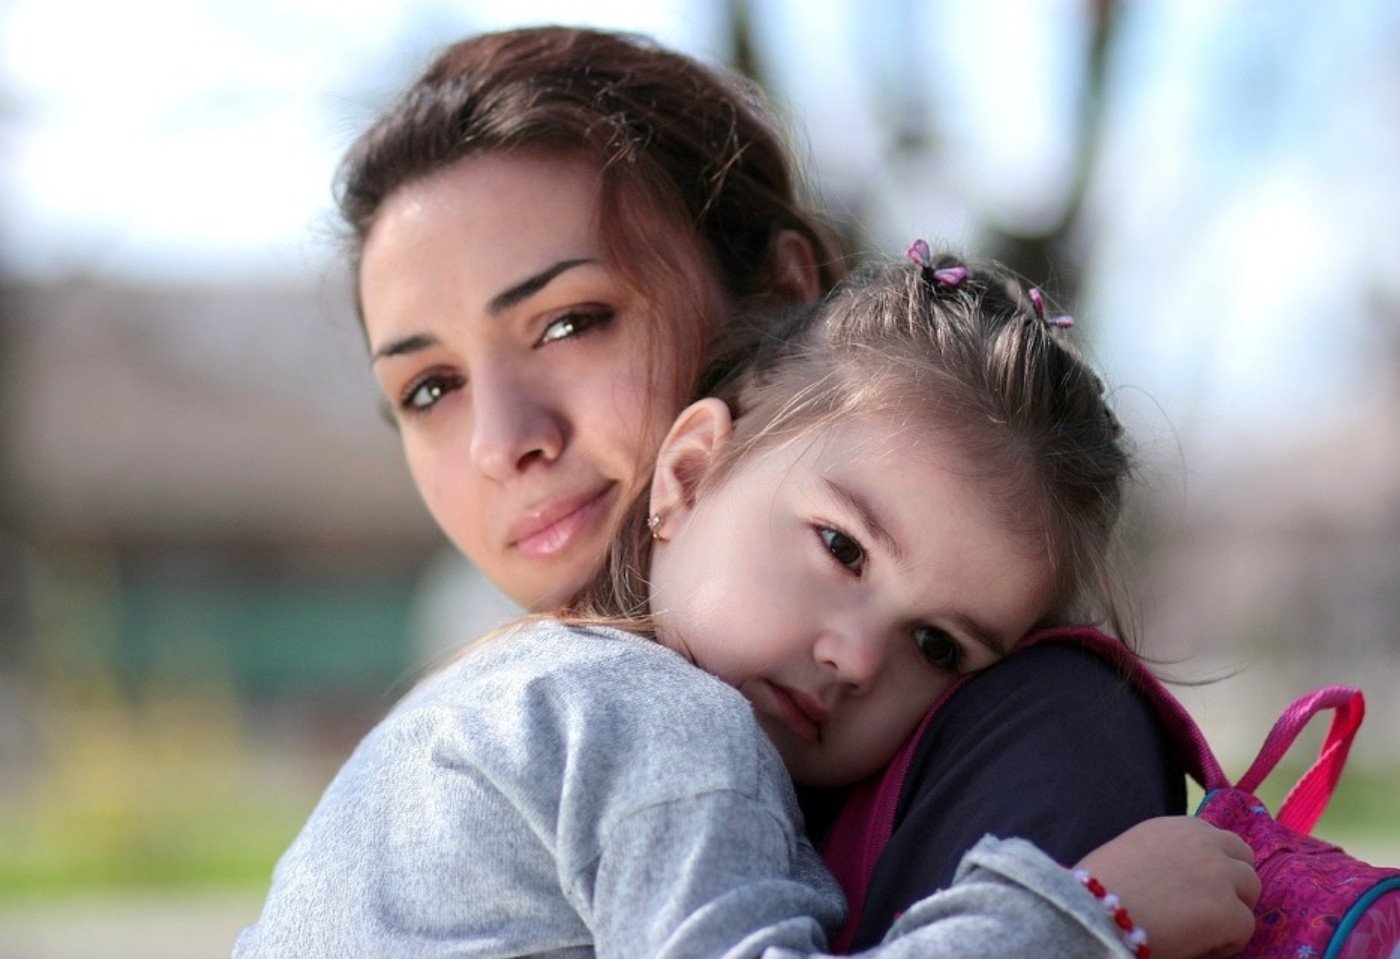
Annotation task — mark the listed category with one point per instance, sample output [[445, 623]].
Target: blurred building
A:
[[1284, 570], [196, 482]]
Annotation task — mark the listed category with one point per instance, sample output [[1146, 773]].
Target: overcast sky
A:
[[180, 138]]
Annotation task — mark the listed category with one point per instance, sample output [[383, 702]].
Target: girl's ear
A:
[[796, 278], [687, 453]]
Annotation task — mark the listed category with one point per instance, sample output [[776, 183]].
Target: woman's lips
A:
[[550, 530], [801, 713]]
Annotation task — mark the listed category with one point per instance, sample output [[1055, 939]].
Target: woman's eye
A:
[[843, 549], [941, 650], [572, 324], [424, 394]]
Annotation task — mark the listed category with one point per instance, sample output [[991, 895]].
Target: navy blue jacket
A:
[[1050, 745]]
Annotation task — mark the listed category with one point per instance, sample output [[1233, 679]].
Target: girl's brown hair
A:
[[975, 360], [688, 156]]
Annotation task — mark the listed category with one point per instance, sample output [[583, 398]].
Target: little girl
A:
[[893, 495]]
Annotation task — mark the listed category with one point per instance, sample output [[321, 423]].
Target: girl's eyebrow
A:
[[980, 634], [528, 287], [867, 516], [871, 521]]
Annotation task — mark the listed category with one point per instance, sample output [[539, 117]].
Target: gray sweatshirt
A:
[[567, 792]]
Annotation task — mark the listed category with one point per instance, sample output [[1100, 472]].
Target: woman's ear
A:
[[700, 431], [796, 278]]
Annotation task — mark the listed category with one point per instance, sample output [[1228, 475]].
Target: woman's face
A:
[[530, 383]]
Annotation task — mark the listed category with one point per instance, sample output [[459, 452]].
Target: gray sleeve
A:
[[1008, 900], [688, 878], [714, 877]]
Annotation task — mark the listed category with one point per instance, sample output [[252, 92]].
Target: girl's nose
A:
[[513, 426], [855, 652]]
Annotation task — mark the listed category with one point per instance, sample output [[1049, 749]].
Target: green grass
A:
[[181, 841], [165, 790], [170, 795]]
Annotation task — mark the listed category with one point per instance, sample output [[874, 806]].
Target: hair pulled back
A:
[[675, 142], [977, 363]]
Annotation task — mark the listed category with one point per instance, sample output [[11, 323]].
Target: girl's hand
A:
[[1191, 886]]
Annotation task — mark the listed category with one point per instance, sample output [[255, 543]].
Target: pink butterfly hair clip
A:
[[1062, 322], [947, 277]]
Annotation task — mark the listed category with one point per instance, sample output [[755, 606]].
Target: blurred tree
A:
[[744, 55], [1049, 252], [13, 608]]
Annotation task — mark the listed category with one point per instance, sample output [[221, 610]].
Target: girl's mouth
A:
[[801, 713]]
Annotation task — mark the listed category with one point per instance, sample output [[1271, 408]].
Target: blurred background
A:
[[215, 574]]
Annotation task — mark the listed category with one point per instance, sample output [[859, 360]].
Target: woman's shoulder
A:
[[593, 666], [1058, 677], [591, 695]]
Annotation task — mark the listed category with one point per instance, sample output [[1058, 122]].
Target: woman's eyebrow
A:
[[528, 287], [409, 344], [497, 305]]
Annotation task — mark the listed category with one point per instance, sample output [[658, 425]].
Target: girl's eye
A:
[[941, 650], [574, 323], [423, 394], [843, 549]]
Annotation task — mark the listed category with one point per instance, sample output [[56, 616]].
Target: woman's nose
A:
[[513, 426]]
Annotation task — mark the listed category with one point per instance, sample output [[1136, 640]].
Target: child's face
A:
[[841, 584]]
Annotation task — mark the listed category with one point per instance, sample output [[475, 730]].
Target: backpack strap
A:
[[1303, 805]]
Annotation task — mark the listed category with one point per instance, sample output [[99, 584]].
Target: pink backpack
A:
[[1317, 902]]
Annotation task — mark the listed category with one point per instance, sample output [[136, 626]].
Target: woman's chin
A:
[[543, 590]]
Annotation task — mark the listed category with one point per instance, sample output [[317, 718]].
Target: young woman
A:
[[915, 478], [550, 230]]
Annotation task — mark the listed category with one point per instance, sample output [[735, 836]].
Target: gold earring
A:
[[654, 524]]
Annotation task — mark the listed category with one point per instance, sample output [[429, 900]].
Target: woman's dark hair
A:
[[688, 157]]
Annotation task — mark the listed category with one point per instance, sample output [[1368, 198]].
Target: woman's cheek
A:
[[448, 491]]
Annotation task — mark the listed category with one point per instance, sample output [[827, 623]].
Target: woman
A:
[[550, 231]]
